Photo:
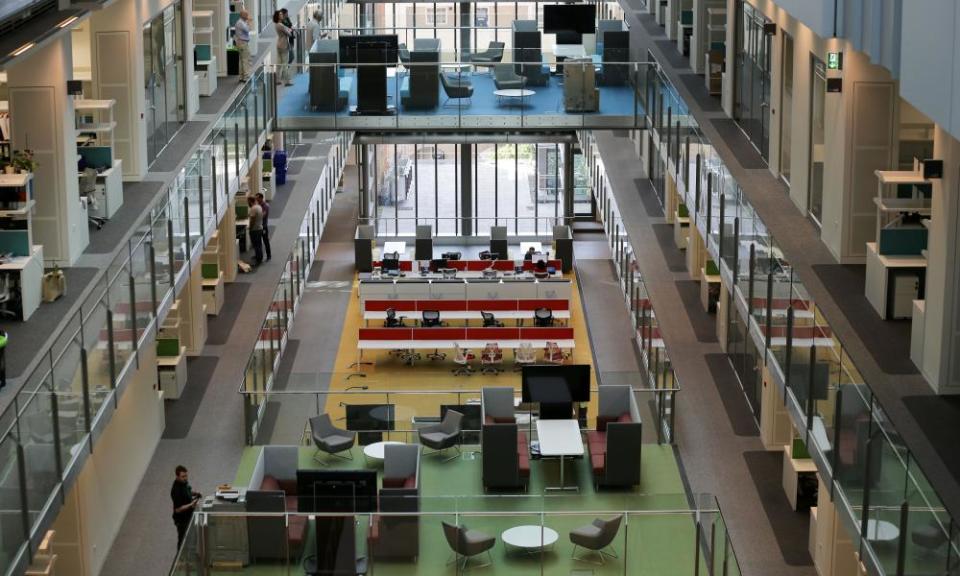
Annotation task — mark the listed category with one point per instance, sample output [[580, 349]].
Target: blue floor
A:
[[615, 102]]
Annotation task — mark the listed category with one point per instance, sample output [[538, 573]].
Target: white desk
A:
[[560, 439], [391, 247], [529, 538], [109, 192], [878, 284], [207, 73], [375, 451], [28, 270], [467, 315], [882, 531], [569, 51]]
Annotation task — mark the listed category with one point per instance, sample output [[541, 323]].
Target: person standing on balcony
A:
[[241, 38], [265, 206], [316, 27], [184, 503], [255, 228], [283, 49]]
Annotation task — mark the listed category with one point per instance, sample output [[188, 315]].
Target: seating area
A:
[[450, 310], [615, 444], [506, 465]]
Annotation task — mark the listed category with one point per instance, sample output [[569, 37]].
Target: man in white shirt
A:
[[316, 27], [241, 39]]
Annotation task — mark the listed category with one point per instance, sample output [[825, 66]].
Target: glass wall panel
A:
[[786, 106], [818, 95]]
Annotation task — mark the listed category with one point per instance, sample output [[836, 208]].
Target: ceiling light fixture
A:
[[23, 49], [67, 22]]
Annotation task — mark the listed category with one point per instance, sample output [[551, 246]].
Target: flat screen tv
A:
[[341, 491], [556, 384], [560, 18], [369, 49], [370, 417]]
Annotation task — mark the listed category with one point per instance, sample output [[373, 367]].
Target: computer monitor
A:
[[368, 49], [556, 384], [576, 18], [389, 264], [438, 264], [336, 491]]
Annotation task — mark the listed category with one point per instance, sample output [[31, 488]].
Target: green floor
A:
[[657, 538]]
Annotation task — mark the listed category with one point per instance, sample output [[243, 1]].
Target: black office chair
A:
[[490, 321], [450, 255], [392, 320], [488, 255], [543, 317], [431, 319]]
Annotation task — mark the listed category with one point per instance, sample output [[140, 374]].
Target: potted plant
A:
[[23, 160]]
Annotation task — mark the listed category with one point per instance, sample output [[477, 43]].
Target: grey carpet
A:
[[181, 412], [282, 376], [279, 202], [136, 197], [698, 89], [939, 419], [271, 415], [27, 339], [608, 320], [676, 261], [220, 327], [731, 395], [887, 340], [215, 102], [178, 148], [790, 528], [739, 145], [649, 24], [648, 196], [672, 55], [295, 165], [704, 325]]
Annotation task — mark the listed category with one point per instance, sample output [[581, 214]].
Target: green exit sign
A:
[[834, 60]]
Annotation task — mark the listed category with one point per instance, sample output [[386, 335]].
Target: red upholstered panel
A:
[[493, 334], [269, 483], [288, 486], [602, 422], [563, 333], [506, 420], [442, 305], [529, 265], [439, 334], [478, 265], [523, 461], [521, 438], [297, 530], [291, 502], [503, 265], [458, 264], [385, 333], [597, 462], [596, 436], [551, 303], [382, 305], [393, 482], [625, 418], [410, 482], [491, 305], [489, 420]]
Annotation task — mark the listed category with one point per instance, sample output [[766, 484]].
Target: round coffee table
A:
[[513, 95], [375, 451], [529, 539], [882, 531]]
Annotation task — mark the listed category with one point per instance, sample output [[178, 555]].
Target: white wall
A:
[[929, 62], [97, 503]]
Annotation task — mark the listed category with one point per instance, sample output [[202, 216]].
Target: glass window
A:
[[786, 107], [818, 96]]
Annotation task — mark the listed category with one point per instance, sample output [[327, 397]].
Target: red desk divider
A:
[[385, 333], [493, 334], [562, 333], [439, 334], [509, 305], [442, 305], [382, 305]]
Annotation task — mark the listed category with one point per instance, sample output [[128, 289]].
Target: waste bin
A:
[[280, 165]]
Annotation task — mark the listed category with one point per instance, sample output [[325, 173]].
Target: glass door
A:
[[752, 104], [786, 106], [163, 78], [818, 94], [150, 91]]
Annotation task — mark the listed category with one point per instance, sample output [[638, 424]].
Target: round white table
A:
[[375, 451], [513, 95], [882, 531], [529, 538]]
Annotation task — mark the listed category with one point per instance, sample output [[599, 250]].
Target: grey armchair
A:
[[506, 78], [490, 56], [456, 88], [330, 439], [597, 537], [468, 543], [444, 435]]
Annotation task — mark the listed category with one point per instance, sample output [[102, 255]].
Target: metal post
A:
[[709, 207], [110, 356], [213, 185], [736, 253], [186, 229], [173, 271], [236, 142], [769, 314], [246, 131], [686, 160], [811, 382], [865, 510], [200, 202], [720, 234], [24, 501], [696, 546], [713, 542], [133, 317], [85, 386], [902, 539], [788, 354], [837, 424], [153, 276], [226, 166], [696, 211], [669, 136], [750, 286]]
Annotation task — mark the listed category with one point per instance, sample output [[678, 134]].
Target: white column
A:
[[116, 54], [941, 326], [42, 119]]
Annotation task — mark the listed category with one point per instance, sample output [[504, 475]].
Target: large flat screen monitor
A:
[[370, 417], [556, 384], [369, 49], [342, 491], [560, 18]]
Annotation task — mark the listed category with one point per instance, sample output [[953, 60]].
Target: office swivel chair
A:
[[490, 321], [392, 320], [488, 255], [450, 255], [431, 319], [543, 317], [6, 297], [88, 189]]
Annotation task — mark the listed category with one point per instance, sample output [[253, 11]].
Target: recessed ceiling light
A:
[[67, 22], [23, 49]]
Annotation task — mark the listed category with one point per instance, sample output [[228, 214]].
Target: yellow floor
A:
[[433, 380]]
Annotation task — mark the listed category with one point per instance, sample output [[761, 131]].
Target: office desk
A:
[[560, 439], [108, 196], [888, 296], [525, 246], [207, 73], [399, 247], [446, 315], [27, 271]]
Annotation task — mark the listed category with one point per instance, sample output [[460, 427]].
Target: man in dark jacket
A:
[[184, 502]]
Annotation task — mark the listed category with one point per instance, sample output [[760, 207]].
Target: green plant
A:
[[23, 160], [711, 268], [799, 449], [683, 211]]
